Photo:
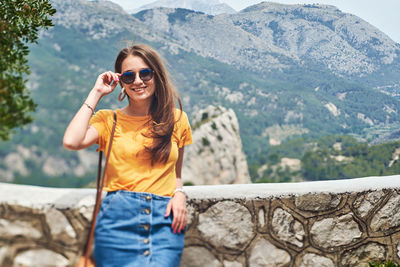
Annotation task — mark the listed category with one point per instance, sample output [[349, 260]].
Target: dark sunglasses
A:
[[145, 75]]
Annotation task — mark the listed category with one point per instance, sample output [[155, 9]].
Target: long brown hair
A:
[[162, 108]]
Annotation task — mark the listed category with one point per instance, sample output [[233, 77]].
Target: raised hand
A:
[[106, 82]]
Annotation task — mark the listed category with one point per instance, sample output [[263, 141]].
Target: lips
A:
[[138, 89]]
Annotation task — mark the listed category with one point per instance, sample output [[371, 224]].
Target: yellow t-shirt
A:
[[127, 168]]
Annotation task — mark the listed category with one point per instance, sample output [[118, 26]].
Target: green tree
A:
[[20, 21]]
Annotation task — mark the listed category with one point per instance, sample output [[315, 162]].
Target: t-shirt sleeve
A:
[[100, 122], [185, 132]]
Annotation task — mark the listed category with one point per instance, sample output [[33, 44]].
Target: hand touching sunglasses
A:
[[145, 75]]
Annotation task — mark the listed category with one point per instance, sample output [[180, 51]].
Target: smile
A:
[[138, 89]]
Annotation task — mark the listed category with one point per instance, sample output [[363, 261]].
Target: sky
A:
[[383, 14]]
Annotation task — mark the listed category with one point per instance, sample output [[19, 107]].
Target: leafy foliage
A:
[[384, 264], [19, 24], [330, 157], [354, 159]]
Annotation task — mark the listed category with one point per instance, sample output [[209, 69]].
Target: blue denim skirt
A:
[[131, 230]]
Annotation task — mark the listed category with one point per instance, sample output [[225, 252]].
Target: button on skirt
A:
[[131, 230]]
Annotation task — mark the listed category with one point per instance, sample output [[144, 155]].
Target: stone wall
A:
[[329, 223]]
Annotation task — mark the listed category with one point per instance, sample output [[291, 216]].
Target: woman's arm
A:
[[78, 134], [178, 168], [178, 202]]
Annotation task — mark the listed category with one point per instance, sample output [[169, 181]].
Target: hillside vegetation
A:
[[285, 84], [331, 157]]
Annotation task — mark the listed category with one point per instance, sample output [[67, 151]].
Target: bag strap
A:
[[100, 184]]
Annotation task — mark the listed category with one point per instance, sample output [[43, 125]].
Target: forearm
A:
[[76, 131], [178, 168]]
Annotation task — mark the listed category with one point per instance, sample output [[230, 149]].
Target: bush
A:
[[384, 264]]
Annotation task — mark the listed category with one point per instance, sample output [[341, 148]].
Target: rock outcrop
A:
[[216, 155]]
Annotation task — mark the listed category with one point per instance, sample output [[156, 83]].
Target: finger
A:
[[182, 224], [168, 209], [114, 85], [105, 77], [110, 77], [175, 221], [179, 219], [115, 77], [178, 225]]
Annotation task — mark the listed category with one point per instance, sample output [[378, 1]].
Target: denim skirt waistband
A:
[[131, 230]]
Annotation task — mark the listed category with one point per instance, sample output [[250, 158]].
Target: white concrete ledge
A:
[[36, 196], [252, 191]]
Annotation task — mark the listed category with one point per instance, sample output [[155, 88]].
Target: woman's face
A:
[[138, 91]]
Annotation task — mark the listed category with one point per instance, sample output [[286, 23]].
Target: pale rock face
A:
[[55, 166], [88, 159], [388, 216], [333, 109], [265, 254], [232, 264], [337, 231], [216, 155], [190, 214], [3, 253], [60, 228], [287, 228], [291, 163], [278, 133], [366, 202], [19, 228], [361, 256], [15, 162], [190, 257], [40, 257], [365, 119], [226, 224], [317, 202], [261, 217], [312, 260], [398, 249], [85, 206], [6, 175]]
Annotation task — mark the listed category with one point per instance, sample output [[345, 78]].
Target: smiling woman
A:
[[142, 219]]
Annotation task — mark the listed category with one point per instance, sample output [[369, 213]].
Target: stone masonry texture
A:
[[243, 225]]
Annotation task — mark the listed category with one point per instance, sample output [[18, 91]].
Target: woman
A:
[[142, 219]]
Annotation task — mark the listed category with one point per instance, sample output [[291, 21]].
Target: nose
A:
[[137, 79]]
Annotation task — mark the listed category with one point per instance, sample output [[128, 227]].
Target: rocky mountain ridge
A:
[[211, 7], [270, 36]]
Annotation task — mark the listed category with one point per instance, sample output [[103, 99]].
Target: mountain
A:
[[211, 7], [271, 36], [286, 71]]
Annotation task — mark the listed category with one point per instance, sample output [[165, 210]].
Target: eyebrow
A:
[[139, 70]]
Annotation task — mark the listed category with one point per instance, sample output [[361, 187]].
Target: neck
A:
[[137, 109]]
